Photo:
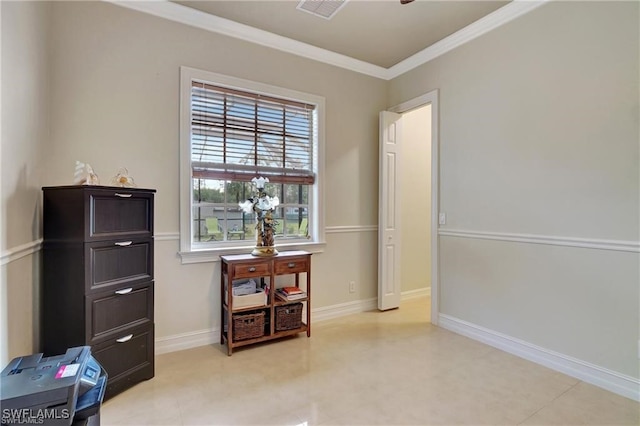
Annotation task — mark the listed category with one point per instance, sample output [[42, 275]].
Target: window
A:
[[233, 130]]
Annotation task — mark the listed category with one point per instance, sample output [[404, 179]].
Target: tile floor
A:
[[389, 368]]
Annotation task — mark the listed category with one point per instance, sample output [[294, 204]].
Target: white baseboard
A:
[[414, 294], [612, 381], [180, 342], [342, 309]]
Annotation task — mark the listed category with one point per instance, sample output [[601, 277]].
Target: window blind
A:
[[237, 135]]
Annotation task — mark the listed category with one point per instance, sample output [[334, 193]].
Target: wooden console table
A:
[[264, 315]]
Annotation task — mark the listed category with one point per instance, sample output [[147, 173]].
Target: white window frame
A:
[[189, 253]]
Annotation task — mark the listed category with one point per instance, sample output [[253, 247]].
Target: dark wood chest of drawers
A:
[[98, 278]]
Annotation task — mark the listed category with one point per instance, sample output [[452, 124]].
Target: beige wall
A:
[[539, 135], [115, 81], [25, 130], [415, 178], [25, 117]]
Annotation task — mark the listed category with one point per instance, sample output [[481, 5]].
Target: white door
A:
[[389, 212]]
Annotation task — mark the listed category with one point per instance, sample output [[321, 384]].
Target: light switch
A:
[[442, 219]]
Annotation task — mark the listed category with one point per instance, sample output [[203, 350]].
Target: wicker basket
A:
[[288, 317], [248, 326]]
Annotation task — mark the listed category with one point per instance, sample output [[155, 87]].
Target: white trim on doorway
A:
[[431, 98]]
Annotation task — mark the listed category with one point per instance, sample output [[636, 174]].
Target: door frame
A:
[[432, 98]]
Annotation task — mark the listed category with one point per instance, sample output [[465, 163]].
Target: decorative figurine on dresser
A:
[[98, 278]]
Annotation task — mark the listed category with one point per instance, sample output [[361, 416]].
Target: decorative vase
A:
[[265, 229], [263, 206]]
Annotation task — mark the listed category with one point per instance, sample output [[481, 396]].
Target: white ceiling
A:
[[380, 38], [382, 32]]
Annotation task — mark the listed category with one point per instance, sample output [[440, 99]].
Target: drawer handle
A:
[[124, 339], [124, 291], [124, 243], [291, 265], [123, 195], [252, 269]]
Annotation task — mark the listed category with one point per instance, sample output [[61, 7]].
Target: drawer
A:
[[127, 358], [108, 313], [291, 265], [95, 213], [245, 270], [114, 213], [119, 263]]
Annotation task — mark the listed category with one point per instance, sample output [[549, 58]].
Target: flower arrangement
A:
[[263, 206]]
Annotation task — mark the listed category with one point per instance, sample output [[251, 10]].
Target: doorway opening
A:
[[416, 204], [415, 179]]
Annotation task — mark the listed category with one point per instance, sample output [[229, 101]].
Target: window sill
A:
[[213, 254]]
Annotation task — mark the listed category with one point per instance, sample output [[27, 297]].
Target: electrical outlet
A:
[[352, 286], [442, 219]]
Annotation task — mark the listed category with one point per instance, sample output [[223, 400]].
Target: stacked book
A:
[[290, 293]]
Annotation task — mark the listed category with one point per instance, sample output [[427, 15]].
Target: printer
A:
[[64, 390]]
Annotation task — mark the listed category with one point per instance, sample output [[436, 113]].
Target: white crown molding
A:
[[20, 251], [588, 243], [613, 381], [505, 14], [195, 18]]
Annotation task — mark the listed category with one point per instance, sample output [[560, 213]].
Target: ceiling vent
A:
[[323, 8]]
